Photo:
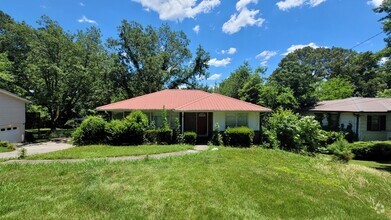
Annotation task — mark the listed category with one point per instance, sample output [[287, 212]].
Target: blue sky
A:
[[259, 31]]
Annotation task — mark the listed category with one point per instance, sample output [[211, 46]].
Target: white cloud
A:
[[176, 10], [243, 4], [231, 50], [81, 4], [218, 63], [214, 77], [245, 18], [285, 5], [265, 56], [196, 29], [85, 19], [375, 3], [300, 46]]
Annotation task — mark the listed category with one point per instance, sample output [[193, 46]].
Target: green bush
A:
[[287, 131], [116, 132], [372, 150], [151, 136], [164, 136], [239, 137], [7, 145], [138, 117], [136, 123], [90, 131], [190, 137], [341, 150]]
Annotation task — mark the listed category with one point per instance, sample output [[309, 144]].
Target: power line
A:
[[367, 40]]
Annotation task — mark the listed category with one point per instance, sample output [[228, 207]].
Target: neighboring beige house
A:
[[370, 118], [195, 110], [12, 117]]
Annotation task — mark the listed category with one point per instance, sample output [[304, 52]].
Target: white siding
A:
[[12, 114], [347, 118], [365, 135], [219, 117], [253, 120]]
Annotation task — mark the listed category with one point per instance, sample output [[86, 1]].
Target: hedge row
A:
[[130, 131], [372, 150]]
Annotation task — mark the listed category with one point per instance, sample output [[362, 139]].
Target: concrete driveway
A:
[[38, 148]]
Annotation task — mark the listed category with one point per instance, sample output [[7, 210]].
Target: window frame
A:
[[376, 122], [236, 115]]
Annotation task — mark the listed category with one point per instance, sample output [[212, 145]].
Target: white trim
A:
[[14, 96]]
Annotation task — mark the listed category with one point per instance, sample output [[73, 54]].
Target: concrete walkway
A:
[[197, 149], [39, 148]]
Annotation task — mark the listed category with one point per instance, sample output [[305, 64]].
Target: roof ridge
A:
[[211, 94], [208, 95], [248, 103]]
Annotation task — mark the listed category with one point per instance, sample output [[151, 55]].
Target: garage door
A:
[[10, 134]]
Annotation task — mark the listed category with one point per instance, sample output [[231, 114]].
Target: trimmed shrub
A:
[[90, 131], [7, 145], [341, 150], [151, 136], [372, 150], [138, 117], [136, 123], [116, 132], [164, 136], [239, 137], [190, 137]]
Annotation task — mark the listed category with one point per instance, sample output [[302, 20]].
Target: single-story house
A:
[[12, 117], [369, 118], [196, 110]]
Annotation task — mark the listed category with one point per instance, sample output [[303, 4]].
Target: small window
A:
[[376, 122], [236, 120], [230, 120], [14, 128], [3, 129], [8, 129]]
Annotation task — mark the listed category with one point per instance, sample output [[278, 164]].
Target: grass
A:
[[4, 149], [225, 184], [386, 166], [99, 151]]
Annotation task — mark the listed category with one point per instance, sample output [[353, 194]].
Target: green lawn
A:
[[229, 183], [386, 166], [4, 149], [99, 151]]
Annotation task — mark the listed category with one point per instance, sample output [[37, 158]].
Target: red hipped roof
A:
[[183, 101]]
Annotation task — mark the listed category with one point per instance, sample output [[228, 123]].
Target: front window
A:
[[376, 122], [236, 119]]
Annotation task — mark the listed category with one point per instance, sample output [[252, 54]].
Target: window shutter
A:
[[382, 119], [369, 122]]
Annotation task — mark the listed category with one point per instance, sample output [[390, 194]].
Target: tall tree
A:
[[151, 59], [15, 41], [232, 85], [300, 79], [251, 91], [6, 78], [334, 88]]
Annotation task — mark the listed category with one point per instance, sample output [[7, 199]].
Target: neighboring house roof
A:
[[183, 100], [2, 91], [355, 104]]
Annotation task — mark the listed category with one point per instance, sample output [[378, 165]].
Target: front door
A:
[[202, 124]]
